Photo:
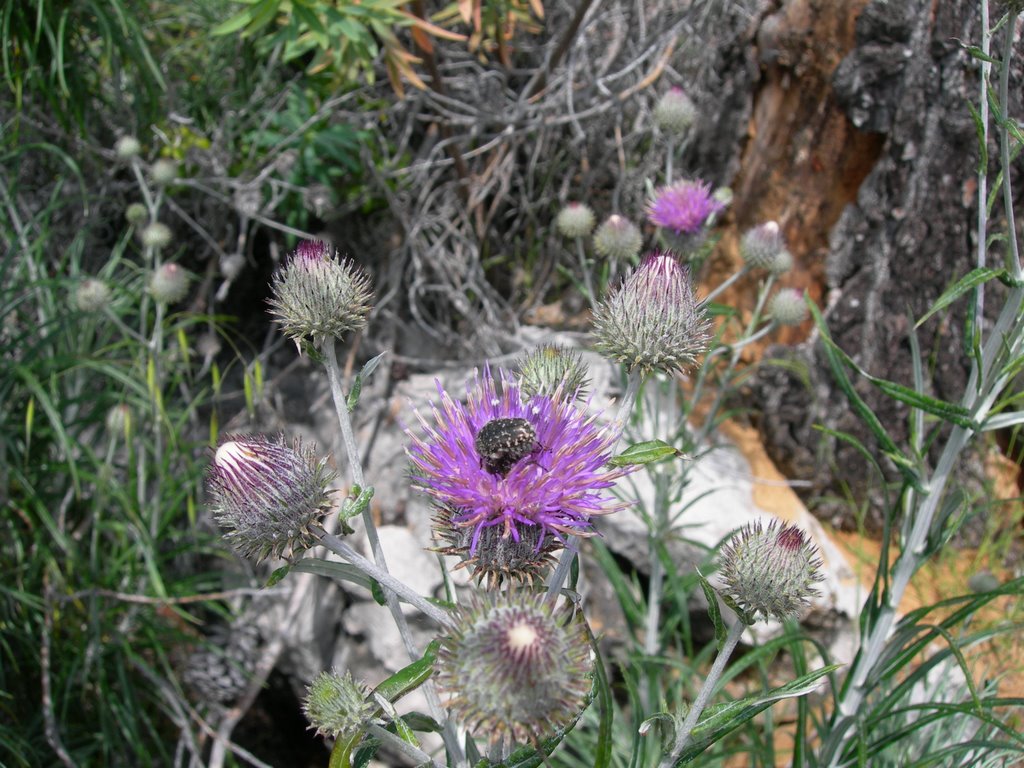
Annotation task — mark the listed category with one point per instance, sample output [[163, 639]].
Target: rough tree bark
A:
[[856, 137]]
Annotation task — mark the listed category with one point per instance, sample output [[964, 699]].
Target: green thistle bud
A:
[[782, 264], [550, 369], [316, 295], [336, 705], [760, 246], [575, 220], [127, 147], [675, 112], [163, 172], [92, 295], [169, 283], [119, 420], [511, 667], [136, 213], [269, 495], [788, 307], [770, 572], [156, 235], [652, 322], [618, 239]]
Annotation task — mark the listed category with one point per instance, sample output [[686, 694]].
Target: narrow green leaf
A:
[[277, 575], [410, 677], [233, 24], [357, 384], [965, 284], [332, 570], [644, 453], [713, 611], [1003, 420], [353, 507]]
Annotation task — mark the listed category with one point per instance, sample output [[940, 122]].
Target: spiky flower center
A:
[[503, 442]]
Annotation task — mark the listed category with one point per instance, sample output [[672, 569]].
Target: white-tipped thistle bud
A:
[[231, 265], [271, 496], [169, 283], [788, 307], [92, 295], [575, 220], [136, 213], [318, 296], [770, 572], [782, 264], [761, 245], [675, 112], [552, 369], [156, 235], [336, 705], [127, 147], [163, 172], [618, 239], [513, 668], [652, 322]]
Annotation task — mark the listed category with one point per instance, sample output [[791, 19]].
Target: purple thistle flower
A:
[[554, 483], [683, 207]]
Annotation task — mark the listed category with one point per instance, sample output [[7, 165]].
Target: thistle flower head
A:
[[136, 213], [319, 296], [552, 369], [674, 112], [652, 322], [782, 263], [760, 246], [169, 283], [509, 466], [788, 307], [336, 705], [512, 667], [575, 220], [163, 172], [156, 235], [770, 572], [92, 295], [683, 208], [127, 147], [269, 495], [618, 239]]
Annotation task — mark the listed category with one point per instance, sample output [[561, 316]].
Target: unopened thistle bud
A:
[[127, 147], [575, 220], [136, 213], [231, 265], [513, 668], [550, 369], [782, 264], [269, 495], [156, 235], [618, 239], [169, 283], [675, 112], [770, 572], [119, 420], [788, 307], [92, 295], [163, 172], [652, 322], [761, 245], [318, 296], [336, 705]]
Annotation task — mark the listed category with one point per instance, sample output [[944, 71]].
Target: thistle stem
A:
[[585, 269], [704, 696]]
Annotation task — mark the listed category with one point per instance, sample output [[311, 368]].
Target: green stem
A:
[[585, 269], [704, 696]]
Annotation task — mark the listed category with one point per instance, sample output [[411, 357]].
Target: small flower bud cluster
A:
[[550, 369], [92, 295], [336, 705], [652, 322], [770, 572], [788, 307], [318, 296], [511, 667], [169, 283], [269, 495], [675, 112], [575, 220], [618, 239]]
